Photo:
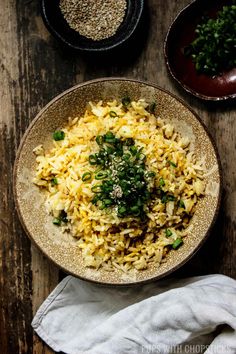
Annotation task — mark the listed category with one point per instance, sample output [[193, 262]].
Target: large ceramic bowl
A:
[[61, 249]]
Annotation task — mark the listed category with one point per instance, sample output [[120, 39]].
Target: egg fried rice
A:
[[103, 238]]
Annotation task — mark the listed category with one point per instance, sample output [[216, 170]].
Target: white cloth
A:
[[170, 316]]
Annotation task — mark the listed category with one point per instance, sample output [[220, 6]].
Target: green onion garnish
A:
[[113, 114], [99, 139], [129, 142], [109, 137], [120, 165], [86, 176], [108, 202], [54, 181], [126, 157], [110, 150], [168, 232], [133, 149], [167, 197], [56, 221], [102, 206], [101, 175], [181, 204], [63, 216], [178, 242], [164, 199], [122, 210], [92, 159], [125, 101], [151, 174], [96, 188], [161, 182], [171, 198], [172, 163], [135, 210], [95, 199], [58, 135]]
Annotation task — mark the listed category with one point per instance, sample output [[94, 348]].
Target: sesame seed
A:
[[94, 19]]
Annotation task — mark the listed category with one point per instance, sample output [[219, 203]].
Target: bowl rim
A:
[[17, 158], [173, 74], [61, 38]]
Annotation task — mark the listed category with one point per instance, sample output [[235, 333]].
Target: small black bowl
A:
[[59, 28]]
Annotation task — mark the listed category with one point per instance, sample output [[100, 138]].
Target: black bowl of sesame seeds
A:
[[92, 25]]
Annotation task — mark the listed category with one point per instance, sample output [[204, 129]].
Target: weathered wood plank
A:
[[15, 273]]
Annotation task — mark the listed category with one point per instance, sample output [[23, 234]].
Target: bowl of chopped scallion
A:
[[200, 49]]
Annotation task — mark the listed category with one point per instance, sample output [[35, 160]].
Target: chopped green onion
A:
[[181, 204], [86, 176], [142, 157], [164, 199], [168, 232], [126, 157], [54, 181], [98, 169], [172, 163], [129, 142], [131, 172], [140, 172], [109, 137], [113, 114], [177, 243], [56, 221], [121, 210], [63, 216], [92, 159], [135, 210], [133, 149], [167, 198], [99, 139], [101, 175], [151, 174], [171, 198], [96, 198], [161, 182], [96, 188], [123, 173], [58, 135], [102, 206], [110, 150], [126, 101], [213, 48], [108, 202]]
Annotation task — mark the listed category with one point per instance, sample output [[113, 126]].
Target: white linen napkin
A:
[[170, 316]]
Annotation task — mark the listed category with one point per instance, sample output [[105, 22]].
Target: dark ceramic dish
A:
[[59, 28], [182, 69]]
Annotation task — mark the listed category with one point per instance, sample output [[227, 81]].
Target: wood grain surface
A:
[[33, 69]]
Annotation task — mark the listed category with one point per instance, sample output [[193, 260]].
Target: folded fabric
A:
[[170, 316]]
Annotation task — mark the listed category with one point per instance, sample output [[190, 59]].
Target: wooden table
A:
[[33, 69]]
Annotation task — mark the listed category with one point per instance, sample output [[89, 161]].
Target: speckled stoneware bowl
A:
[[61, 248]]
